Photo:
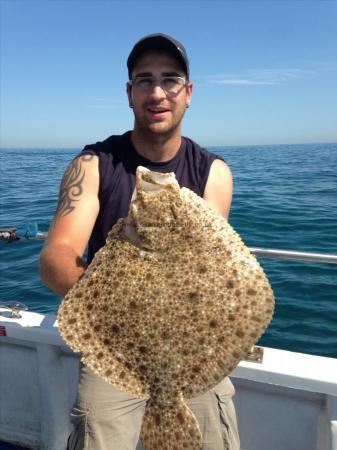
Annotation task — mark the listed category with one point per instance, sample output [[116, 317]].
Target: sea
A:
[[285, 197]]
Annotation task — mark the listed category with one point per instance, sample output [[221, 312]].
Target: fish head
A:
[[155, 208]]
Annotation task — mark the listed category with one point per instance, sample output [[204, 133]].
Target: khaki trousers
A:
[[106, 418]]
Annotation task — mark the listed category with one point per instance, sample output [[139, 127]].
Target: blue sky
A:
[[264, 72]]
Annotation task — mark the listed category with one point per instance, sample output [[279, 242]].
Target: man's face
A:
[[155, 110]]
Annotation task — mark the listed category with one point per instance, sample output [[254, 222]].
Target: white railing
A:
[[290, 254]]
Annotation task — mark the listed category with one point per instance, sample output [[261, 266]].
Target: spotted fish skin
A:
[[168, 307], [170, 427]]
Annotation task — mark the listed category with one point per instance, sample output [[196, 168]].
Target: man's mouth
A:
[[157, 113]]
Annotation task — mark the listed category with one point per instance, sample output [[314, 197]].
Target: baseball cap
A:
[[159, 41]]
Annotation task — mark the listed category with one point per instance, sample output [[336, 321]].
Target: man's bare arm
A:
[[61, 260], [219, 187]]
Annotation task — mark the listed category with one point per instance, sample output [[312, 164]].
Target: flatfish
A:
[[168, 307]]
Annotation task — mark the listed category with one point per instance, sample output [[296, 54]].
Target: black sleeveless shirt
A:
[[118, 161]]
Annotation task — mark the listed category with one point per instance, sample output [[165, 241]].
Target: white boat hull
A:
[[289, 402]]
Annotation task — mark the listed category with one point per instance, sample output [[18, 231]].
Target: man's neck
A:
[[156, 147]]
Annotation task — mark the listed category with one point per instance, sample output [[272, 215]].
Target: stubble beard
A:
[[157, 133]]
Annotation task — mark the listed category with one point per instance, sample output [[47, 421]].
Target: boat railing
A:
[[295, 255], [31, 232], [256, 353]]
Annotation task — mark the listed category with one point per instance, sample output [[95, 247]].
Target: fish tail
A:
[[172, 427]]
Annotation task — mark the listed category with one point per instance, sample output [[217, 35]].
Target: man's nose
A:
[[157, 91]]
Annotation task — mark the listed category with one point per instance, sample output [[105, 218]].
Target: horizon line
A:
[[204, 145]]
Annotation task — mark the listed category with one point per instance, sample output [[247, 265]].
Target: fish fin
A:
[[172, 427]]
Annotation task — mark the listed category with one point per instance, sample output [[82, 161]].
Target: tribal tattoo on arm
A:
[[71, 186]]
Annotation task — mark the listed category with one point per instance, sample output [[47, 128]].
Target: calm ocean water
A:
[[284, 197]]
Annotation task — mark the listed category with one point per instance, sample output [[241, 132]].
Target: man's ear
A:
[[129, 94], [189, 91]]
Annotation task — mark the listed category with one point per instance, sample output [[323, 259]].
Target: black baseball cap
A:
[[159, 41]]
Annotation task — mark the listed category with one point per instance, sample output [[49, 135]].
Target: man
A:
[[95, 192]]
